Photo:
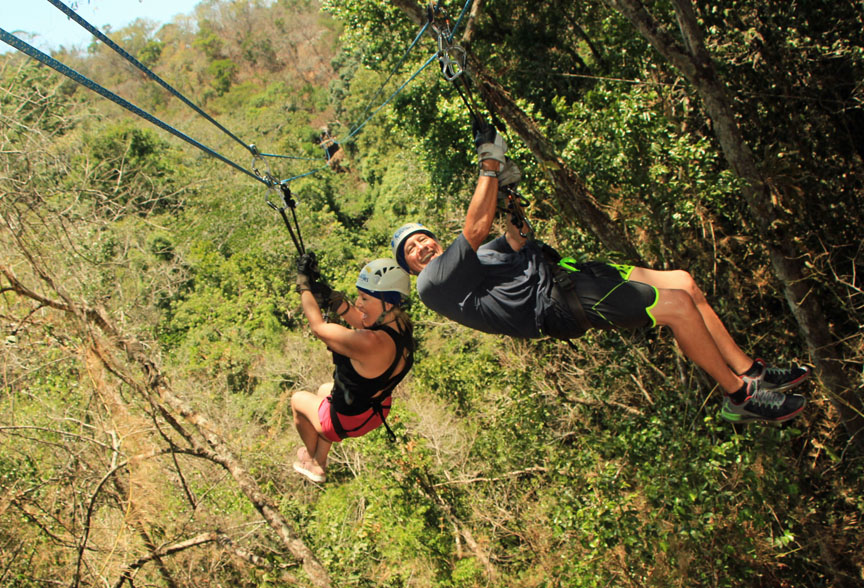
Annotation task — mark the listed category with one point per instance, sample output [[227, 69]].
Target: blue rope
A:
[[393, 95], [309, 173], [99, 35], [459, 20], [395, 68], [74, 75], [290, 157]]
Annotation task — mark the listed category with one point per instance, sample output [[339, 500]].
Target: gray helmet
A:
[[397, 243], [385, 280]]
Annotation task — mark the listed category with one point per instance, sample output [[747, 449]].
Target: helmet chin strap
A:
[[380, 320]]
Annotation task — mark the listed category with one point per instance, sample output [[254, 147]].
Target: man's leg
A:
[[676, 309], [734, 357], [746, 400]]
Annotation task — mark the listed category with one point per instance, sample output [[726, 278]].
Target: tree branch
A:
[[157, 390], [197, 541]]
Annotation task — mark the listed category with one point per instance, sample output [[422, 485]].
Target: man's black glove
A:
[[307, 271], [483, 132]]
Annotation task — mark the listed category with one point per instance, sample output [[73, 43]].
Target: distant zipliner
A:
[[370, 359]]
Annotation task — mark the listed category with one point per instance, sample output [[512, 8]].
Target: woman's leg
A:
[[734, 357], [304, 406], [324, 444]]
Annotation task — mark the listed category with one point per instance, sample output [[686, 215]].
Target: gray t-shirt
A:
[[494, 290]]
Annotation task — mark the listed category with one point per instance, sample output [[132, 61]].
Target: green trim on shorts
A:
[[623, 269], [599, 302], [656, 300], [568, 263]]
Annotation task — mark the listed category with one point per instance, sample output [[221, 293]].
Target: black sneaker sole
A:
[[746, 420]]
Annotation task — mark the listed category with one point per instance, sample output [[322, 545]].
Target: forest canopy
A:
[[153, 337]]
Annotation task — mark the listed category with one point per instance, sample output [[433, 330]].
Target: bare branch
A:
[[507, 476], [83, 542], [156, 389]]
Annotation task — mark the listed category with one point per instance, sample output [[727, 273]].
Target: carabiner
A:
[[452, 58]]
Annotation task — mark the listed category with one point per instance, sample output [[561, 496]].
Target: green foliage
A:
[[208, 42], [126, 169], [595, 466], [41, 100], [657, 179], [151, 52], [224, 72]]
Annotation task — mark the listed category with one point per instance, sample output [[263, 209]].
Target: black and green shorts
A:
[[609, 297]]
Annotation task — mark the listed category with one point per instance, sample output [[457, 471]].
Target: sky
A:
[[51, 28]]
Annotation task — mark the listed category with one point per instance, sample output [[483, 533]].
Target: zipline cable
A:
[[102, 37], [267, 179], [31, 51], [393, 95], [393, 71]]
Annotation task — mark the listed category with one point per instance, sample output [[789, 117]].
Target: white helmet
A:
[[397, 243], [385, 280]]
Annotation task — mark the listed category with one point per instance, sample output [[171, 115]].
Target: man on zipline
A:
[[519, 287]]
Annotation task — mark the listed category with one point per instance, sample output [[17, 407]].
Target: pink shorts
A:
[[363, 422]]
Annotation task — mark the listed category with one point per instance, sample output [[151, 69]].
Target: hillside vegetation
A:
[[152, 337]]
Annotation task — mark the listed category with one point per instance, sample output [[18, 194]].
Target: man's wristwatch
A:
[[489, 173]]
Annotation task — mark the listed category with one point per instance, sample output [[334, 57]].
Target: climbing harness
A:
[[513, 204], [354, 394]]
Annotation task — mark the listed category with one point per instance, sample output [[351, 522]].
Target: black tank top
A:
[[353, 394]]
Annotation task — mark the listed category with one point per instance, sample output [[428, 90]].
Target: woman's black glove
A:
[[307, 271], [337, 301]]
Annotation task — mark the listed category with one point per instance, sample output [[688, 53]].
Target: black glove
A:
[[483, 132], [337, 301], [307, 271]]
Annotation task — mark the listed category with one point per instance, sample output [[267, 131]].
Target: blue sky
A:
[[51, 28]]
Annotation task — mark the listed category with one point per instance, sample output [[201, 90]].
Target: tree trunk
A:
[[694, 62]]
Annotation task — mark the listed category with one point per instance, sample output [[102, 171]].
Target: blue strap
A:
[[393, 95], [99, 35], [395, 68], [290, 157], [309, 173], [70, 73], [459, 20]]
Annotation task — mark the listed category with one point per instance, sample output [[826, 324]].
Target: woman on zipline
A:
[[370, 359]]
